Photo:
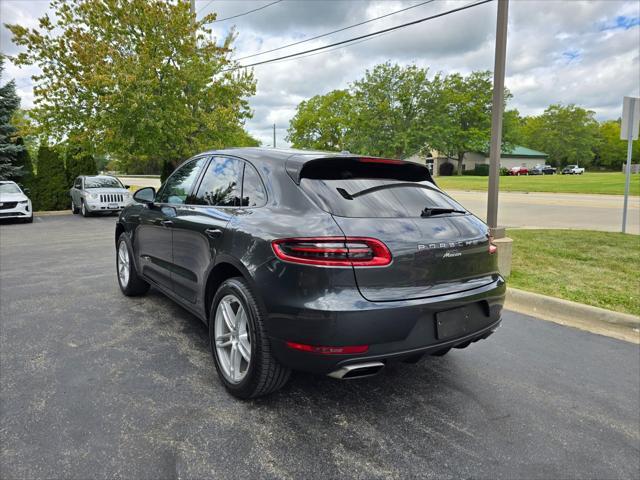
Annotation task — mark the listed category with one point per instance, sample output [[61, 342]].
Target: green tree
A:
[[390, 109], [569, 134], [79, 163], [50, 190], [141, 80], [322, 122], [23, 160], [460, 121], [9, 150], [611, 151]]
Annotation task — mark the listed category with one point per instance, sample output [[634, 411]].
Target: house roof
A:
[[520, 151]]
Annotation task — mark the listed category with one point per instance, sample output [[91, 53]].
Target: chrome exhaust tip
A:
[[357, 370]]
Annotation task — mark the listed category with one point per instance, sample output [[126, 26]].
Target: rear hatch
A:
[[434, 251]]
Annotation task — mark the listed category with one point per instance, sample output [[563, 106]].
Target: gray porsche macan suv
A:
[[327, 263]]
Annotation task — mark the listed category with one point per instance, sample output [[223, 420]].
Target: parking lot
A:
[[95, 384]]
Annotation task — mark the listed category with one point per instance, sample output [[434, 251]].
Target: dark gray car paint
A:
[[304, 303]]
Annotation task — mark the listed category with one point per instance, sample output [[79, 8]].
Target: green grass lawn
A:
[[602, 183], [596, 268]]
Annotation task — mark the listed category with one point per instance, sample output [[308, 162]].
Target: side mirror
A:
[[145, 195], [127, 186]]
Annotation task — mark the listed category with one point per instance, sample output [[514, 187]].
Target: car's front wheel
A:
[[75, 210], [239, 344], [130, 282], [83, 210]]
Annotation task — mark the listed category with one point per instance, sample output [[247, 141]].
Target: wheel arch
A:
[[224, 269], [119, 231]]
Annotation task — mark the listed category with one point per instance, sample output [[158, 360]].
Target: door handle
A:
[[166, 223], [213, 232]]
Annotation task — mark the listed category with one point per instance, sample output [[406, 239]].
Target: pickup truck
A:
[[572, 170], [542, 170]]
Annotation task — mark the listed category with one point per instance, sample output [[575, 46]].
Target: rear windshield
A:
[[377, 198]]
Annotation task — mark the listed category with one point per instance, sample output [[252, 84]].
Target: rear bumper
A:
[[392, 330]]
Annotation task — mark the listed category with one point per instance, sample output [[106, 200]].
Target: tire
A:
[[29, 219], [131, 285], [263, 374], [83, 210], [75, 210]]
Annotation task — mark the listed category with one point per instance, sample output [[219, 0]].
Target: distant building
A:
[[517, 156]]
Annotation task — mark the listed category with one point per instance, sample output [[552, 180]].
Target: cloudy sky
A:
[[582, 52]]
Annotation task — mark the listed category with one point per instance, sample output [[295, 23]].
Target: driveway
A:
[[94, 384], [556, 210]]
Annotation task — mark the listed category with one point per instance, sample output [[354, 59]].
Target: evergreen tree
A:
[[51, 190], [79, 163], [23, 160], [9, 103]]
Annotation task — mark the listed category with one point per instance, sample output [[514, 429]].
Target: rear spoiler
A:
[[343, 166]]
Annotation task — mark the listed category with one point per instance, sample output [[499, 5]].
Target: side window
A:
[[179, 184], [253, 194], [220, 185], [78, 183]]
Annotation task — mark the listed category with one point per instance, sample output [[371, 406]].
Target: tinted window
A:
[[178, 185], [253, 194], [78, 183], [220, 185], [375, 197]]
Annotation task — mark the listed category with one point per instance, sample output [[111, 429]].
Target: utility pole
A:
[[274, 135], [496, 117], [193, 7], [629, 132]]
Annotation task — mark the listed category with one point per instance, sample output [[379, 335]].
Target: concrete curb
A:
[[52, 213], [594, 319]]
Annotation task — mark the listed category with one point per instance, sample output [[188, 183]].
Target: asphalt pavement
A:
[[94, 384]]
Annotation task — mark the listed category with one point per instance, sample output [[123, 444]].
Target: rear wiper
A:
[[350, 196], [430, 212]]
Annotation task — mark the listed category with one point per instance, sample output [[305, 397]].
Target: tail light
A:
[[492, 248], [333, 251], [348, 350]]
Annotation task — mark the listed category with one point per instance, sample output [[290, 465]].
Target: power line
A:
[[372, 34], [335, 31], [205, 7], [247, 12]]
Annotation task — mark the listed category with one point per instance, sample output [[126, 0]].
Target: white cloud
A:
[[583, 52]]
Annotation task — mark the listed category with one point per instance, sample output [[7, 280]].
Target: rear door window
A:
[[221, 183]]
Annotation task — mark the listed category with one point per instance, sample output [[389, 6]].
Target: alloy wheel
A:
[[123, 264], [232, 340]]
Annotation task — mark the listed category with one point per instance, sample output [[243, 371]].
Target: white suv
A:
[[14, 203]]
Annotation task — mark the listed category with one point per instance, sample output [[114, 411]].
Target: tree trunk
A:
[[460, 160]]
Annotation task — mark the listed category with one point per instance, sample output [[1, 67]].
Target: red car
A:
[[519, 171]]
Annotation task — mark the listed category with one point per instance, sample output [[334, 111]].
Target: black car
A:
[[327, 263], [542, 170]]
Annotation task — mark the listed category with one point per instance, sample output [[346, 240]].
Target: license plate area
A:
[[461, 321], [113, 206]]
